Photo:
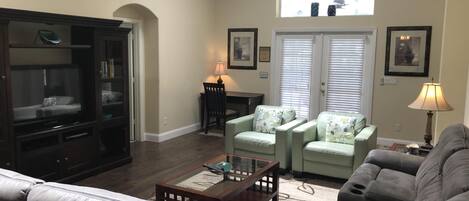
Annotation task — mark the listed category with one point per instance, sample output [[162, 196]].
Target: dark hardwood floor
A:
[[153, 161]]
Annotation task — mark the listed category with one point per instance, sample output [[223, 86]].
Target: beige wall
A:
[[185, 30], [389, 102], [454, 62]]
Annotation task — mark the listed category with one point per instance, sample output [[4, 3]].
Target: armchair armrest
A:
[[365, 141], [235, 126], [283, 138], [300, 136], [395, 161]]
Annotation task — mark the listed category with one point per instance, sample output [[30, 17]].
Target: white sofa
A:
[[18, 187]]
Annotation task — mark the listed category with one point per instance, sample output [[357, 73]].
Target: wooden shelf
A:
[[116, 79], [61, 46], [110, 104]]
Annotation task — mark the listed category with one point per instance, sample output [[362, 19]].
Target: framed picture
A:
[[408, 51], [242, 49], [264, 54]]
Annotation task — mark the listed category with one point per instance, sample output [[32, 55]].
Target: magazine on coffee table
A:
[[201, 181]]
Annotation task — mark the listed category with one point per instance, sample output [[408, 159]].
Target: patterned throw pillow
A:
[[267, 119], [288, 115], [340, 129]]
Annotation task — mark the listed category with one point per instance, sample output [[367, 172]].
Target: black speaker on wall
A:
[[314, 9], [331, 10]]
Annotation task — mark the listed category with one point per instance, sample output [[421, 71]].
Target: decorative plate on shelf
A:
[[49, 37]]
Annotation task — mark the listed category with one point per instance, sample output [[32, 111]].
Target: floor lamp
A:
[[431, 99]]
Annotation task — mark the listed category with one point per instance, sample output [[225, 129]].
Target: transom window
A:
[[302, 8]]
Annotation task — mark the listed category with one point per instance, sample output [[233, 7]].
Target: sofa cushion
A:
[[456, 174], [386, 191], [255, 142], [329, 152], [15, 186], [62, 192], [267, 118], [323, 118], [460, 197], [340, 129], [397, 178], [428, 180]]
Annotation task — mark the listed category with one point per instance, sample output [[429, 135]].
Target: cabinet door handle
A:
[[8, 164], [58, 161], [66, 158], [76, 136], [4, 77]]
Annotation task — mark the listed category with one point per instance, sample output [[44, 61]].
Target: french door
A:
[[318, 72]]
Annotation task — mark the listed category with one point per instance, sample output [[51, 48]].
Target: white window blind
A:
[[295, 74], [346, 60]]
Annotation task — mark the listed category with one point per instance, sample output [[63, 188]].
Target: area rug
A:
[[292, 189]]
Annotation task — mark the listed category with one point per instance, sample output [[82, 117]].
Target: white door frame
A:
[[368, 71], [138, 68]]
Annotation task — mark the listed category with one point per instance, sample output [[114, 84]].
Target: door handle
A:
[[4, 77], [322, 90]]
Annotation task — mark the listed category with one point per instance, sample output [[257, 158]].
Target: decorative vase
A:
[[314, 9], [331, 10]]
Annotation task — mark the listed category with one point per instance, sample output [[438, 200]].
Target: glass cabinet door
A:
[[3, 92], [3, 115], [113, 77]]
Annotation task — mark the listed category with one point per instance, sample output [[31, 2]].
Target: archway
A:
[[145, 67]]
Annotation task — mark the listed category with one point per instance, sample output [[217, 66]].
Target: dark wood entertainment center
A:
[[38, 140]]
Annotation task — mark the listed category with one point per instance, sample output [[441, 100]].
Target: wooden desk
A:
[[249, 101]]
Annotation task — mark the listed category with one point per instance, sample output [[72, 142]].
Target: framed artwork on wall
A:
[[264, 54], [408, 51], [242, 48]]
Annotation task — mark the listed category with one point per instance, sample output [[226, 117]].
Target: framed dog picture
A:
[[264, 54], [408, 51], [242, 49]]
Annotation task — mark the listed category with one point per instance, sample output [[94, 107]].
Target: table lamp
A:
[[431, 98], [220, 70]]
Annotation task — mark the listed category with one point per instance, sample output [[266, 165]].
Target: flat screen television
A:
[[46, 94]]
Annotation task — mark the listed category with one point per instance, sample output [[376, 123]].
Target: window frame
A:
[[368, 71], [279, 12]]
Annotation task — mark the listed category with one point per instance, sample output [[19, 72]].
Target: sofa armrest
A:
[[365, 141], [235, 126], [283, 140], [395, 161], [300, 137], [59, 192]]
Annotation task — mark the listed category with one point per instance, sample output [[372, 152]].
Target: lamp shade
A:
[[431, 98], [220, 69]]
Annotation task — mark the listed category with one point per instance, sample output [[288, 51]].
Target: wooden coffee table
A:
[[250, 179]]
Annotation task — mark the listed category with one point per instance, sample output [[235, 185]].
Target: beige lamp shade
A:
[[220, 68], [431, 98]]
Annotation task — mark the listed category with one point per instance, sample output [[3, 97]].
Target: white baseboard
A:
[[153, 137], [390, 141]]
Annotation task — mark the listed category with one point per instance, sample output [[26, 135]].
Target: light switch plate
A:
[[263, 75], [388, 81]]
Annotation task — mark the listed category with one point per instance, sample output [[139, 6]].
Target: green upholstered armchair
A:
[[316, 150], [265, 134]]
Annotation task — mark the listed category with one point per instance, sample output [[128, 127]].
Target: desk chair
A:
[[215, 104]]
